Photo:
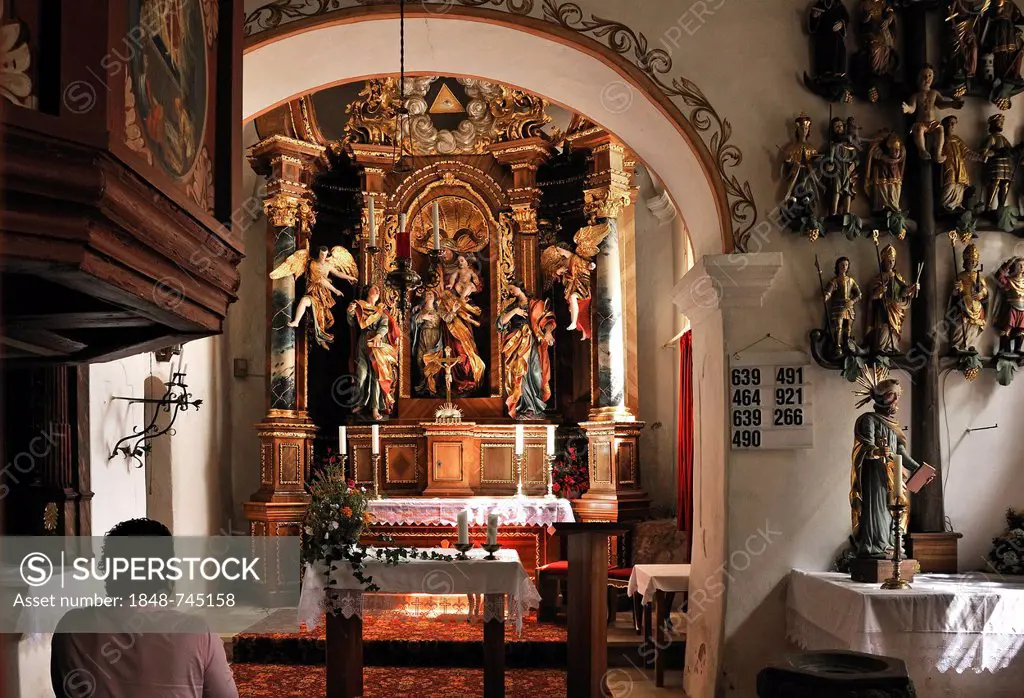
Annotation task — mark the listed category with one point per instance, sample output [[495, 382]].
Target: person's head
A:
[[886, 396], [462, 262], [971, 257], [323, 251], [373, 295], [838, 127], [516, 290], [803, 126], [429, 297], [888, 257], [842, 265], [895, 145], [949, 123], [116, 544]]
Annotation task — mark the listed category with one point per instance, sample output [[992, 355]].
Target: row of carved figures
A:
[[823, 182], [982, 50], [889, 297], [441, 326]]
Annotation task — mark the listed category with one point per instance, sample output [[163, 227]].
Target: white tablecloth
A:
[[511, 511], [945, 623], [646, 579], [473, 576]]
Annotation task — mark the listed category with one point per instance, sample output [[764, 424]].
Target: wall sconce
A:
[[176, 399]]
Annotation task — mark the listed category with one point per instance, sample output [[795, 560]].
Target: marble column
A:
[[286, 433]]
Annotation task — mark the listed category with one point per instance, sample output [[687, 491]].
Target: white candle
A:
[[463, 521], [551, 440], [519, 439], [401, 222], [342, 441], [437, 228], [897, 493], [492, 529], [375, 432], [371, 221]]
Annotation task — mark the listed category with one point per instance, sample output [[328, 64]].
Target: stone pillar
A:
[[717, 296], [524, 156], [286, 434]]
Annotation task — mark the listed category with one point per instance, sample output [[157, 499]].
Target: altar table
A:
[[945, 628], [655, 584], [345, 603]]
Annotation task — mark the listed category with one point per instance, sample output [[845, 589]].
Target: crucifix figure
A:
[[448, 412]]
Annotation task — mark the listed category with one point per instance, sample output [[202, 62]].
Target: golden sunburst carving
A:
[[464, 226]]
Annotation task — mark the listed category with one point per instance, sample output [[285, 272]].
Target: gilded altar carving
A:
[[199, 183], [464, 226], [284, 210], [371, 119], [605, 202], [133, 137]]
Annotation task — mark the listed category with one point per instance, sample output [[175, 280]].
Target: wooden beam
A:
[[40, 342], [75, 321]]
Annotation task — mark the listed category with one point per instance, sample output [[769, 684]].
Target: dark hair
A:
[[840, 261], [323, 248], [114, 547]]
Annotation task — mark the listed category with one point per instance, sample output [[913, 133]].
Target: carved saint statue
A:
[[922, 104], [838, 166], [877, 437], [955, 178], [1000, 38], [1010, 278], [377, 353], [887, 160], [878, 31], [970, 294], [841, 296], [798, 158], [427, 340], [890, 298], [998, 155], [827, 22], [464, 281], [319, 289], [527, 327], [573, 271], [962, 43]]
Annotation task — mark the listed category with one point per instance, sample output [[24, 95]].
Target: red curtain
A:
[[685, 468]]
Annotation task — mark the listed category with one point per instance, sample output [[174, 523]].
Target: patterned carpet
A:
[[290, 681], [399, 640]]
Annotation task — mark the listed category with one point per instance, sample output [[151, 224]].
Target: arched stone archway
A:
[[313, 54]]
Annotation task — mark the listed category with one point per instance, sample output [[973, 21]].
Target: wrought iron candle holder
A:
[[491, 549], [463, 548], [176, 399], [896, 581], [404, 280]]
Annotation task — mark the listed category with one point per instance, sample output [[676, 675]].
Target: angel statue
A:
[[319, 289], [527, 327], [877, 437], [377, 353], [573, 269]]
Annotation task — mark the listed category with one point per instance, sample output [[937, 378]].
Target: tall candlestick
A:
[[519, 439], [342, 441], [897, 486], [371, 220], [375, 433], [437, 227], [551, 440], [463, 520], [401, 222], [492, 529]]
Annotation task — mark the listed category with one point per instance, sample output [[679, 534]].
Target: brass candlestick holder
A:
[[491, 549], [375, 464], [896, 581], [551, 477], [463, 548], [344, 468]]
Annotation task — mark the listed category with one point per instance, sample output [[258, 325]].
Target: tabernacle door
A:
[[453, 455]]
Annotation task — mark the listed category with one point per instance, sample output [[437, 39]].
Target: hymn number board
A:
[[770, 401]]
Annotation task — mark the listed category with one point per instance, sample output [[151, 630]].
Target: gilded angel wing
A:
[[552, 263], [342, 260], [588, 240], [295, 265]]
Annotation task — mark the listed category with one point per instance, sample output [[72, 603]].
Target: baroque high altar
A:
[[466, 245]]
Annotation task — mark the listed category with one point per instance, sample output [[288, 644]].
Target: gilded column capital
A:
[[606, 202], [287, 210]]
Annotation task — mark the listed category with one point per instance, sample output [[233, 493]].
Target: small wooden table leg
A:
[[344, 656], [648, 633], [494, 646], [660, 644]]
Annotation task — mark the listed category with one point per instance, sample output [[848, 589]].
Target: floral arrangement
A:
[[337, 513], [1007, 554], [570, 473]]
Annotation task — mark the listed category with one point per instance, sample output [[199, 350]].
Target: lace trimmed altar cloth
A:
[[511, 511], [504, 577], [946, 625]]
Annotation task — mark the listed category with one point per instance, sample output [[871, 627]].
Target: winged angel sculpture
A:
[[573, 269], [337, 262]]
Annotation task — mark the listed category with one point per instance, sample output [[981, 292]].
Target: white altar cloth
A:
[[646, 579], [945, 624], [505, 576], [511, 511]]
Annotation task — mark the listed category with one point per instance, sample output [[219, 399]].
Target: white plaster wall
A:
[[186, 479]]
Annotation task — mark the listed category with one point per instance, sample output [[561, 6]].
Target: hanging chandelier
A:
[[399, 163]]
